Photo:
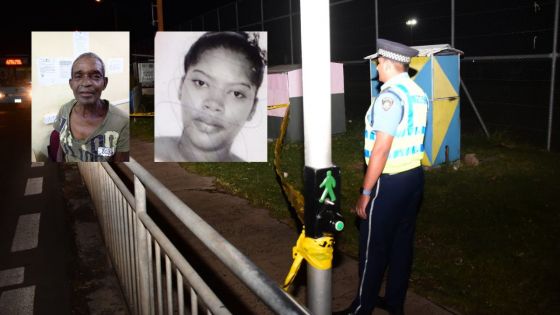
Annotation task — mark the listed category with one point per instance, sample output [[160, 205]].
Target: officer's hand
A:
[[361, 205]]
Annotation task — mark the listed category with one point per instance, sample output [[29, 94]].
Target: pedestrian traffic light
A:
[[322, 202]]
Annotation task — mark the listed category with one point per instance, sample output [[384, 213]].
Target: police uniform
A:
[[387, 235]]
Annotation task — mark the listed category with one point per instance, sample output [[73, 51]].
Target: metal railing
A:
[[138, 247]]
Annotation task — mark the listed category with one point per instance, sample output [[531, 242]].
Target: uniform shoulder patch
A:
[[387, 102]]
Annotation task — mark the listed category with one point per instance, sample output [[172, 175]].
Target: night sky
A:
[[88, 15], [482, 27]]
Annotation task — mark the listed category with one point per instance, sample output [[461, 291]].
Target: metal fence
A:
[[139, 249], [531, 32]]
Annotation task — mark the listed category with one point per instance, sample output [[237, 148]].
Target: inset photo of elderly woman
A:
[[210, 97]]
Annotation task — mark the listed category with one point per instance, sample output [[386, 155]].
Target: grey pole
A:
[[376, 25], [320, 282], [452, 23], [291, 34], [475, 109], [218, 15], [262, 16], [553, 75], [236, 17]]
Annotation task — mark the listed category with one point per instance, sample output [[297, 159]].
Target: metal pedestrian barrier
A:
[[138, 248]]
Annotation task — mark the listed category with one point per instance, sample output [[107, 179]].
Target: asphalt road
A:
[[34, 238]]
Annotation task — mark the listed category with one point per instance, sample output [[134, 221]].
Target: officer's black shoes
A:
[[382, 304]]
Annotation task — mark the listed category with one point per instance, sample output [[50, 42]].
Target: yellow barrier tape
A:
[[294, 196], [149, 114], [270, 107], [318, 252]]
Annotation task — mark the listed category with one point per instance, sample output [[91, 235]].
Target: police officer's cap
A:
[[394, 51]]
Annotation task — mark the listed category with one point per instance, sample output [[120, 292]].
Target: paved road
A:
[[34, 239]]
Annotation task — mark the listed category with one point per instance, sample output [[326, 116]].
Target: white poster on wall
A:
[[81, 43], [54, 71], [64, 70], [115, 65], [47, 71]]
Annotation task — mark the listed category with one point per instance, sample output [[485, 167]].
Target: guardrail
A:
[[137, 248]]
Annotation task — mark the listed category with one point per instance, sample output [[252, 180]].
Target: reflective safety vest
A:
[[407, 148]]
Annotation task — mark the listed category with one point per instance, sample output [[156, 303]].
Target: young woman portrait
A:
[[210, 97]]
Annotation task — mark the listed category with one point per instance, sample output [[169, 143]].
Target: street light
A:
[[411, 23]]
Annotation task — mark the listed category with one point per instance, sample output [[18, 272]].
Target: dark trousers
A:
[[387, 239]]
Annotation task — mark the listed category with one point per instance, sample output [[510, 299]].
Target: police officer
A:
[[392, 187]]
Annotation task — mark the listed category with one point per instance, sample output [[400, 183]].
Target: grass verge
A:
[[142, 128]]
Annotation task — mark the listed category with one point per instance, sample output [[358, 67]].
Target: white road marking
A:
[[37, 164], [34, 186], [27, 232], [18, 301], [11, 276]]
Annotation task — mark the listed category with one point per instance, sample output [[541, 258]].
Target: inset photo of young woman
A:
[[210, 97]]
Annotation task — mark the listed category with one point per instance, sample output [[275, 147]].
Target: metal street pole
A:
[[160, 15], [316, 75], [553, 75], [376, 23], [315, 51], [452, 23]]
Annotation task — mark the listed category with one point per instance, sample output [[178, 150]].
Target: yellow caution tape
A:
[[294, 196], [270, 107], [318, 252], [149, 114]]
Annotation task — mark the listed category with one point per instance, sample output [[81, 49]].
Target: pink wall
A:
[[282, 86]]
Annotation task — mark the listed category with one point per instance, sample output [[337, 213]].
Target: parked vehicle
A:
[[15, 79]]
